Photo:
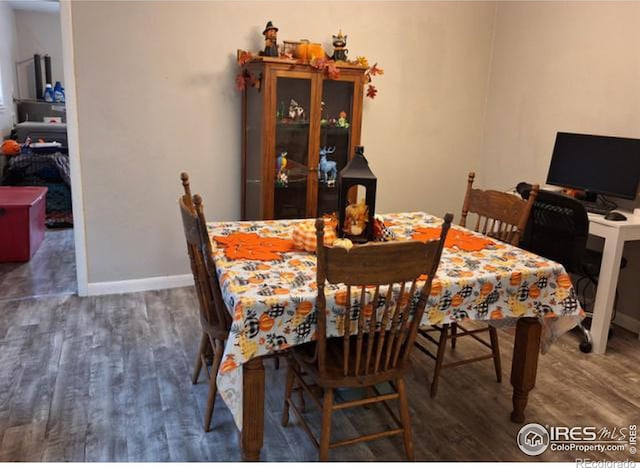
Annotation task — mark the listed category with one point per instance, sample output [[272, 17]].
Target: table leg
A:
[[525, 364], [252, 434], [606, 292]]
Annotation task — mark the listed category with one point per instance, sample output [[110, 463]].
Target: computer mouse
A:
[[615, 216]]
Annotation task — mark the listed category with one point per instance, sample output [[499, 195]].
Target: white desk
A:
[[615, 234]]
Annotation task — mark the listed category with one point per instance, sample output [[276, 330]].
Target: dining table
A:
[[269, 288]]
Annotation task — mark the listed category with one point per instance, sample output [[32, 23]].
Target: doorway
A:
[[40, 128]]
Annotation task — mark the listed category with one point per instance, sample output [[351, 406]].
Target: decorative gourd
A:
[[10, 148]]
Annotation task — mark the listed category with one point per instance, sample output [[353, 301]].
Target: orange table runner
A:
[[455, 238], [251, 246]]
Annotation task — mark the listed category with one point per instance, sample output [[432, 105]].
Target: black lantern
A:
[[356, 216]]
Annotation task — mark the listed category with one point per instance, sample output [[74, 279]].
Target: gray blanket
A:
[[33, 164]]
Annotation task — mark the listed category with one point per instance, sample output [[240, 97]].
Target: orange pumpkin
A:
[[10, 148], [486, 288], [534, 291], [436, 288], [304, 308], [262, 266], [367, 310], [255, 280], [456, 300], [496, 314], [279, 291], [341, 298], [266, 322], [228, 365], [238, 313], [516, 278], [564, 281]]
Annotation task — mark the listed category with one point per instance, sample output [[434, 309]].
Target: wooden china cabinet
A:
[[295, 110]]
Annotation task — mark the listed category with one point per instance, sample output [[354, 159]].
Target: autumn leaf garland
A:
[[326, 65]]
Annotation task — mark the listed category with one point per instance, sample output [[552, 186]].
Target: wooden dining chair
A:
[[214, 319], [502, 216], [372, 350]]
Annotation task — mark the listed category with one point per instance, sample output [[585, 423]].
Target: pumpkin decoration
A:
[[534, 291], [10, 148], [341, 298], [486, 288], [516, 278], [564, 281], [456, 300], [436, 288], [304, 307], [367, 310], [229, 364], [266, 322], [496, 314]]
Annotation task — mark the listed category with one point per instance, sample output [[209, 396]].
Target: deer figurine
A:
[[327, 170]]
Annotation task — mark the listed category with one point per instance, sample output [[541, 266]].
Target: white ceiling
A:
[[36, 5]]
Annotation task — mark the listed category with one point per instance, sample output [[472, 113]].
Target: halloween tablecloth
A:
[[273, 301]]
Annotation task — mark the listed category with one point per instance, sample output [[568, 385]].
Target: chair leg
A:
[[218, 348], [405, 418], [442, 346], [454, 335], [495, 349], [288, 390], [325, 435], [204, 341]]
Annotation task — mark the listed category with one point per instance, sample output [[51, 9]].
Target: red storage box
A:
[[21, 222]]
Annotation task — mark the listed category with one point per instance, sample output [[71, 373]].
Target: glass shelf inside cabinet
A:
[[335, 141], [293, 96]]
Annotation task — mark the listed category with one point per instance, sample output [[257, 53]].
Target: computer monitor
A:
[[596, 164]]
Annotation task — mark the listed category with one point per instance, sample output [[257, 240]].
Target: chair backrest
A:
[[213, 312], [375, 342], [499, 215], [558, 228]]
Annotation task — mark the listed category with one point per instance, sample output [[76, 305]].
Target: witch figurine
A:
[[339, 47], [270, 40]]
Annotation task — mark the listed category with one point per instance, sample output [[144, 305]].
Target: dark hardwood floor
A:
[[108, 379], [52, 270]]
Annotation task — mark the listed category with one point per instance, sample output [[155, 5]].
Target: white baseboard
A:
[[137, 285], [627, 322]]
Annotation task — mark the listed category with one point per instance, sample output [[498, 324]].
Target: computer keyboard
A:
[[593, 207]]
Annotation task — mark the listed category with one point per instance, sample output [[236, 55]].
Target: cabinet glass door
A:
[[293, 99], [335, 140]]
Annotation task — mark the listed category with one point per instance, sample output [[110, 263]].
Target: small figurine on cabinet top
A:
[[282, 178], [296, 111], [339, 47], [270, 40], [356, 217], [342, 120], [327, 170]]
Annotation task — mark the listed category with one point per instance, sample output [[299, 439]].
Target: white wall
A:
[[562, 66], [155, 95], [38, 32], [7, 69]]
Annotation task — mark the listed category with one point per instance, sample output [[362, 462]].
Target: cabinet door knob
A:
[[313, 169]]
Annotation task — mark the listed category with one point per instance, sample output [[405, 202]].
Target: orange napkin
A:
[[251, 246], [455, 238]]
